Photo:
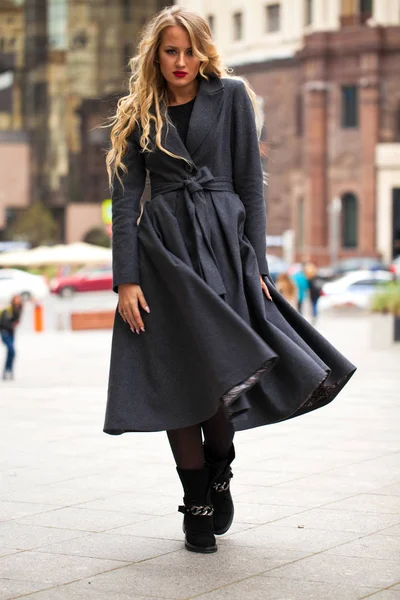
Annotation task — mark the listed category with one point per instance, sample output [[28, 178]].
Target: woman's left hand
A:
[[264, 288]]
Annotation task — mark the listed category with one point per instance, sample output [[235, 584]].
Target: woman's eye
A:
[[190, 52], [170, 51]]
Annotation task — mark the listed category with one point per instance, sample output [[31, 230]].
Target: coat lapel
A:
[[205, 112], [204, 115]]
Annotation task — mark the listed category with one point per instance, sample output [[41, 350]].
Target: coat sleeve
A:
[[125, 214], [247, 173]]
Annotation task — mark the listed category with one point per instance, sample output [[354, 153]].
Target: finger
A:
[[266, 290], [138, 318], [122, 313], [143, 302], [134, 317], [130, 317]]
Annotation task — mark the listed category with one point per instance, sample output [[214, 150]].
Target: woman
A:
[[315, 288], [302, 287], [199, 348], [9, 319], [286, 287]]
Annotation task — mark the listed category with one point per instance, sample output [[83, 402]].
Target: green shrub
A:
[[387, 299]]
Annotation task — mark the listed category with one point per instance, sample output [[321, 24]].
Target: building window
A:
[[365, 8], [273, 17], [349, 106], [308, 12], [57, 24], [349, 221], [237, 26], [299, 115], [211, 23]]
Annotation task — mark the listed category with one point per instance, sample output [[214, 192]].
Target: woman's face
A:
[[177, 63]]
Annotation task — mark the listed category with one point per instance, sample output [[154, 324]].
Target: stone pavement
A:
[[89, 516]]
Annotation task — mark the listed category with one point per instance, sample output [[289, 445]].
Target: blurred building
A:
[[328, 74], [71, 64], [14, 146]]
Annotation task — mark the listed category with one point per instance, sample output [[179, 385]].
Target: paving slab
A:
[[336, 569], [275, 536], [10, 589], [27, 537], [371, 546], [14, 510], [341, 520], [114, 547], [82, 519], [375, 503], [386, 595], [182, 574], [262, 588], [391, 490], [53, 568], [72, 592], [85, 515]]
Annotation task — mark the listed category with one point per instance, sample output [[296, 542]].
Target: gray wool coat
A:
[[197, 251]]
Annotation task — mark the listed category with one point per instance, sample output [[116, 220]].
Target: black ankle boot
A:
[[198, 510], [220, 495]]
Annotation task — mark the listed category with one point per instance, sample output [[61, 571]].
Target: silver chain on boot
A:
[[198, 511]]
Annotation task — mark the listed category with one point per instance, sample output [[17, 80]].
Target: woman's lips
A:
[[180, 74]]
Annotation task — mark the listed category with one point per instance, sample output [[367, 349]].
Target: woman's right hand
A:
[[130, 298]]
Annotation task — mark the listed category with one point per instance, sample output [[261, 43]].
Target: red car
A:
[[85, 280]]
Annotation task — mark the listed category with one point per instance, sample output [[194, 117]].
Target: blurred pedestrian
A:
[[315, 288], [301, 282], [286, 286], [216, 354], [9, 319]]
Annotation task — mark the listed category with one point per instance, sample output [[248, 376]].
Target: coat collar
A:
[[204, 115], [205, 111]]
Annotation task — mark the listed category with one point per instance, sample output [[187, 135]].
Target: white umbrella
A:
[[78, 253]]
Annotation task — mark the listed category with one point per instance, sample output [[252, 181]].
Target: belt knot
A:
[[192, 185]]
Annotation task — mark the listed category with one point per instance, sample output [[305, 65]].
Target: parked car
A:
[[395, 267], [348, 265], [27, 285], [85, 280], [353, 289]]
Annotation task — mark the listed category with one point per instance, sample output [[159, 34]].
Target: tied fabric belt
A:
[[196, 203]]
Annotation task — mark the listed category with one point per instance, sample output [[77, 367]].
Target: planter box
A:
[[92, 320], [385, 330]]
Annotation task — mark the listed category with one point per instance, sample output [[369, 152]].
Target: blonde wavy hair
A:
[[146, 102]]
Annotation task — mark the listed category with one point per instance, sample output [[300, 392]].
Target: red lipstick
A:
[[180, 73]]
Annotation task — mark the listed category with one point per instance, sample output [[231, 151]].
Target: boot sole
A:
[[200, 550]]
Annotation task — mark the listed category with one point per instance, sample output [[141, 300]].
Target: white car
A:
[[354, 289], [15, 281]]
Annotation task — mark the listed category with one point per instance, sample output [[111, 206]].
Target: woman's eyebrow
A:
[[176, 48]]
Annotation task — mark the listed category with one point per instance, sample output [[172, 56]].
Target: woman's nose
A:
[[181, 61]]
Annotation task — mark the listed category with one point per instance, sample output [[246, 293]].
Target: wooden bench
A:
[[92, 320]]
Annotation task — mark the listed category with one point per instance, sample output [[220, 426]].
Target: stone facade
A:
[[271, 29], [312, 156]]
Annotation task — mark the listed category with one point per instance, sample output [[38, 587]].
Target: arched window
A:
[[349, 221]]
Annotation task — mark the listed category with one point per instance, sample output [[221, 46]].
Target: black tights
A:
[[187, 443]]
